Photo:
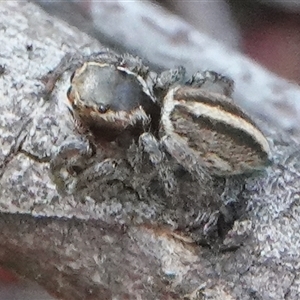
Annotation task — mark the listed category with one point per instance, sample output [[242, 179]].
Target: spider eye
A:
[[103, 108]]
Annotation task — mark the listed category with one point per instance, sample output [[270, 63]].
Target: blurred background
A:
[[266, 31]]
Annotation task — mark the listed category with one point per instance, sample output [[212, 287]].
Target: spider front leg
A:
[[69, 62], [70, 160], [150, 145], [185, 156], [212, 82], [169, 78], [76, 167]]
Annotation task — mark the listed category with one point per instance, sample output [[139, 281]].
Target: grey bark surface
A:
[[76, 251]]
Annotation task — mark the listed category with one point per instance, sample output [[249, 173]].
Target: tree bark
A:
[[75, 251]]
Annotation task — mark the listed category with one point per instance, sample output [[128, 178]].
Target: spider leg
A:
[[212, 82], [150, 145]]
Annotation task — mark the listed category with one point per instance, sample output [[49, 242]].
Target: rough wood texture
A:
[[70, 248]]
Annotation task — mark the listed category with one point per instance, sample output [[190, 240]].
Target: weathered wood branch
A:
[[76, 251]]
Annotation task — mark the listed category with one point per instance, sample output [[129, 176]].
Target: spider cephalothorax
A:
[[108, 97]]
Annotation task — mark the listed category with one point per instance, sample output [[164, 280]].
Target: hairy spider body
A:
[[200, 126], [157, 138]]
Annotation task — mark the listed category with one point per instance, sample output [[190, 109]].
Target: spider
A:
[[160, 134], [117, 99]]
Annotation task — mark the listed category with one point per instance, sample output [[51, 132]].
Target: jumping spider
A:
[[117, 98], [190, 126]]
